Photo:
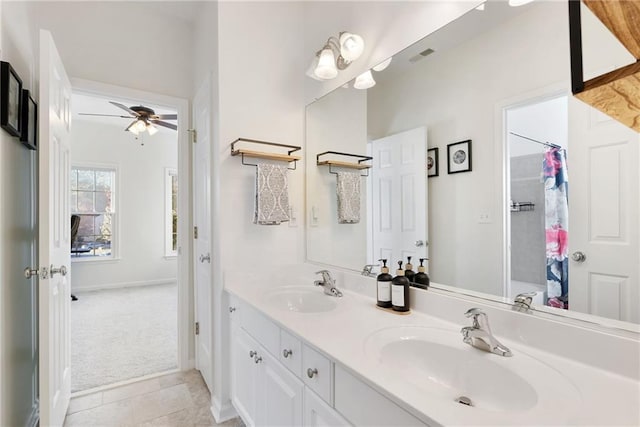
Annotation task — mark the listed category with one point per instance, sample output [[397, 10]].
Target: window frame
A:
[[115, 230], [168, 217]]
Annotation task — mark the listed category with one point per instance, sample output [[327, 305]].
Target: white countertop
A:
[[600, 397]]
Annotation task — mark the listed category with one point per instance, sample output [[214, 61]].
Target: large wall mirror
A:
[[531, 190]]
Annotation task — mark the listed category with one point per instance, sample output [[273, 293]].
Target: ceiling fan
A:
[[144, 118]]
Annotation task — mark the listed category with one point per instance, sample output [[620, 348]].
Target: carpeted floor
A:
[[119, 334]]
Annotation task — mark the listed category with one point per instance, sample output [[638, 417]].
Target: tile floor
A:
[[180, 399]]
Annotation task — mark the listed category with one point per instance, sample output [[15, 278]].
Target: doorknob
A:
[[206, 257], [62, 270], [578, 256], [420, 243]]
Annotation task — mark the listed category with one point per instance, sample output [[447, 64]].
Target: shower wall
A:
[[528, 260]]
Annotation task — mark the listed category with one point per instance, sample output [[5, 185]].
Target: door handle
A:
[[578, 256], [62, 270], [421, 243], [204, 258]]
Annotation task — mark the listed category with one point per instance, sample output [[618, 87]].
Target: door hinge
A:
[[194, 135], [195, 232], [197, 328]]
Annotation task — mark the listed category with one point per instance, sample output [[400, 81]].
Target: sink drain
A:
[[464, 400]]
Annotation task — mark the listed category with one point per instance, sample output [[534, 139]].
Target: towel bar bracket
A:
[[295, 163]]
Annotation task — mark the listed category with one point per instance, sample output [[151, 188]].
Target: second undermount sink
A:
[[436, 361], [300, 299]]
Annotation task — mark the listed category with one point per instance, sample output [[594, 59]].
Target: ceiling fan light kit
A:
[[144, 119]]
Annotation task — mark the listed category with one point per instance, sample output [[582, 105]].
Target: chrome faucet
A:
[[479, 334], [522, 302], [367, 270], [328, 283]]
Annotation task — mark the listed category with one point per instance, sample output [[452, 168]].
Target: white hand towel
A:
[[348, 191], [272, 194]]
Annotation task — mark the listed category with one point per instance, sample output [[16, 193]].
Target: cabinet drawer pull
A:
[[232, 309], [257, 359], [286, 353], [312, 372], [252, 353]]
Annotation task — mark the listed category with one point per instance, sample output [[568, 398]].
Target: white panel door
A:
[[202, 220], [54, 234], [399, 196], [603, 160]]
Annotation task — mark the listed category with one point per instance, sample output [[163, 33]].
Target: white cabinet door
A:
[[280, 399], [318, 414], [244, 375]]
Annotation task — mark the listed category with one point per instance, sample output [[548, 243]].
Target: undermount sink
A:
[[301, 299], [436, 361]]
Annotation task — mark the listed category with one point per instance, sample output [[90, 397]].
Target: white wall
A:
[[545, 121], [140, 204], [17, 234], [129, 44]]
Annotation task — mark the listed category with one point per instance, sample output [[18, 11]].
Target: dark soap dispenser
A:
[[384, 286], [421, 279], [408, 271], [400, 290]]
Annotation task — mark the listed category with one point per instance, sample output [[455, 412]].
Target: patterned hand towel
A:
[[348, 191], [272, 194]]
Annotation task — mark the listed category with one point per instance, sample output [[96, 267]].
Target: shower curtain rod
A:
[[548, 144]]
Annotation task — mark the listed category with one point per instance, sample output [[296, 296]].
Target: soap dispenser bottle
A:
[[421, 279], [400, 290], [408, 271], [384, 286]]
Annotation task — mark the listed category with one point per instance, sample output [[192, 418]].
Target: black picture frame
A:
[[459, 157], [29, 131], [10, 99], [432, 162]]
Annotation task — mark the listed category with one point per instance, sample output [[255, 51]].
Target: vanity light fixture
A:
[[337, 54], [384, 64], [364, 81], [480, 8]]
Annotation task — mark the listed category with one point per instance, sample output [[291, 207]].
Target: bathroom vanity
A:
[[300, 357]]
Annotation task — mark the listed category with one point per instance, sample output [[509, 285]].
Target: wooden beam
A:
[[622, 18], [616, 94]]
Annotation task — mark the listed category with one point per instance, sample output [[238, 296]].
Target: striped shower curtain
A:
[[556, 227]]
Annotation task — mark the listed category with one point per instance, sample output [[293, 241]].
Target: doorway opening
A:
[[124, 197], [537, 200]]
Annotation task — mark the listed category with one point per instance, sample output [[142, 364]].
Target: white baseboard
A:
[[123, 285], [222, 412]]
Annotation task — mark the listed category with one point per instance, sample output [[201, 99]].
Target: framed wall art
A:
[[432, 162], [29, 131], [10, 99], [459, 157]]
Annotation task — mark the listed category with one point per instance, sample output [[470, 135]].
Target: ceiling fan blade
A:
[[165, 117], [164, 124], [104, 115], [125, 108]]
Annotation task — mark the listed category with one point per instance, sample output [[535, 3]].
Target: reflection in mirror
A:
[[500, 78]]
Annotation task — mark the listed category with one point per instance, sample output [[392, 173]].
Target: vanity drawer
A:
[[290, 352], [317, 373], [261, 328], [364, 406]]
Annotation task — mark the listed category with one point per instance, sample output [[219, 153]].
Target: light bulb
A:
[[326, 68], [364, 81], [133, 130], [516, 3], [152, 129], [351, 46], [384, 64], [140, 125]]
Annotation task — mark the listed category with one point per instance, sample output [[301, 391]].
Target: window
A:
[[171, 212], [93, 200]]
